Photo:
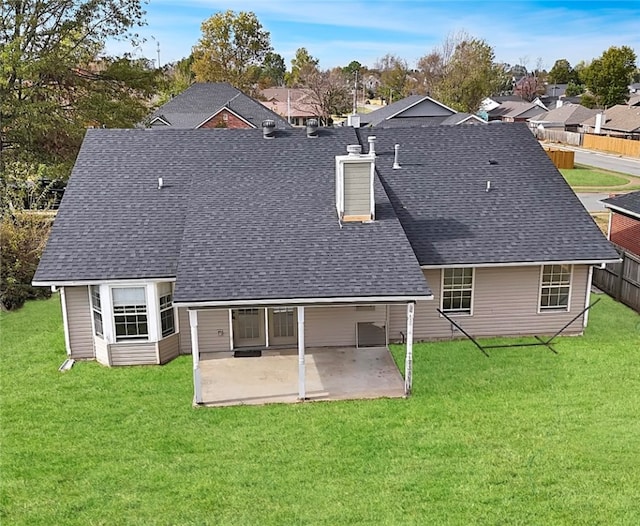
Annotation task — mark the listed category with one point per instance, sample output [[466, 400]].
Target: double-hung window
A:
[[96, 307], [167, 319], [457, 290], [130, 313], [555, 287]]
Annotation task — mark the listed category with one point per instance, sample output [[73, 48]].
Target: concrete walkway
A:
[[331, 374]]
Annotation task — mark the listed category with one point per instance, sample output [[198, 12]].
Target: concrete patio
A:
[[331, 374]]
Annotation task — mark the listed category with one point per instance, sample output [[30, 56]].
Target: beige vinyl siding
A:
[[357, 189], [209, 323], [185, 331], [133, 353], [102, 351], [505, 302], [169, 348], [79, 320], [336, 326]]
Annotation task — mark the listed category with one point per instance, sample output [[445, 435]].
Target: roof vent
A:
[[354, 149], [493, 161], [269, 129], [372, 144], [312, 128], [160, 183], [396, 162]]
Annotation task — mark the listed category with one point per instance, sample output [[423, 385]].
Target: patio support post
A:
[[195, 351], [408, 364], [301, 365]]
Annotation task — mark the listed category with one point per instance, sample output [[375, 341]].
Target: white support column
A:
[[195, 351], [65, 320], [301, 365], [408, 364], [585, 316], [266, 327]]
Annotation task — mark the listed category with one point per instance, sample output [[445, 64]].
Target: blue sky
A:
[[339, 31]]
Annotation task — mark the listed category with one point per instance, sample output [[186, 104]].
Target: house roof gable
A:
[[625, 203]]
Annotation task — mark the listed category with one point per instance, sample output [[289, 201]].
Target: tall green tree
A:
[[232, 48], [394, 76], [562, 72], [609, 75], [302, 65], [461, 72], [53, 83], [273, 70]]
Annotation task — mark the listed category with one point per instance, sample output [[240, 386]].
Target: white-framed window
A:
[[555, 288], [283, 322], [167, 317], [130, 313], [457, 290], [96, 309]]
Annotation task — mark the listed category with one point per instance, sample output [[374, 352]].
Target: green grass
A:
[[522, 437], [593, 177]]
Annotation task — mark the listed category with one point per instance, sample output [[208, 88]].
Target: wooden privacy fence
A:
[[621, 280], [561, 158], [612, 144], [561, 136]]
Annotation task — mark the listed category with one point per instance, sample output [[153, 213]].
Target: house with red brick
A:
[[213, 105], [624, 221]]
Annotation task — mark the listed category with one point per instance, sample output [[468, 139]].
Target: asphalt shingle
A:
[[530, 214], [202, 100], [629, 202]]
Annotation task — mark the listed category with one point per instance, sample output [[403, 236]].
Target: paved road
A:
[[608, 162], [592, 201]]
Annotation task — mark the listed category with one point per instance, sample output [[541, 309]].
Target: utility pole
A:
[[355, 94], [158, 51]]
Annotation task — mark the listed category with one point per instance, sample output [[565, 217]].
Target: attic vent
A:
[[269, 129], [493, 161], [354, 149], [396, 161], [312, 128], [372, 144]]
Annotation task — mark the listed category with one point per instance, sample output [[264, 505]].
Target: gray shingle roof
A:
[[529, 215], [567, 114], [240, 218], [391, 112], [202, 100], [629, 202], [619, 118]]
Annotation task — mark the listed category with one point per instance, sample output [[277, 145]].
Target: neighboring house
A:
[[621, 120], [296, 105], [415, 110], [463, 118], [516, 111], [566, 117], [212, 105], [193, 242], [634, 88], [624, 220]]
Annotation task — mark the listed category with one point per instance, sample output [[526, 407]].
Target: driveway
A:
[[592, 201]]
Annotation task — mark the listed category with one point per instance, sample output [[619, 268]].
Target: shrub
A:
[[23, 236]]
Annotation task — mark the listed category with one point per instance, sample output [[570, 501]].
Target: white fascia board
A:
[[419, 102], [522, 264], [79, 283], [230, 111], [621, 210], [159, 119], [303, 301]]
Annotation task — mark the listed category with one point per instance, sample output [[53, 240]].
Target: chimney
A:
[[312, 128], [559, 103], [354, 184], [599, 119], [353, 120], [268, 129]]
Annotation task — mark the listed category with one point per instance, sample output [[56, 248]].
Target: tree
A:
[[461, 72], [329, 92], [232, 49], [561, 72], [53, 83], [302, 65], [273, 70], [609, 76], [574, 89], [394, 74]]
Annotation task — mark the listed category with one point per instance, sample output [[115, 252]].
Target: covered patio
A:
[[331, 374]]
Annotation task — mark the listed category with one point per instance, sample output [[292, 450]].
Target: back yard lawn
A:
[[523, 437]]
